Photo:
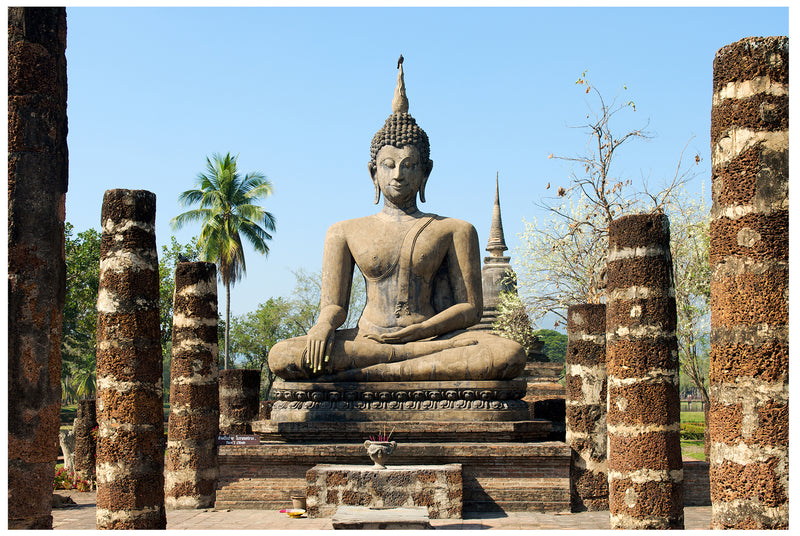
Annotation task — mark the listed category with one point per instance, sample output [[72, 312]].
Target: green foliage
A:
[[693, 430], [254, 334], [555, 344], [513, 322], [228, 212], [79, 334], [67, 480]]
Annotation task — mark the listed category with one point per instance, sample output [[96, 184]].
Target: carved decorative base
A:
[[468, 401]]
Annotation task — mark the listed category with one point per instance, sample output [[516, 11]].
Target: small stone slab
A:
[[366, 518]]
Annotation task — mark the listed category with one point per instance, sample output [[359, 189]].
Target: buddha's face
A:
[[399, 174]]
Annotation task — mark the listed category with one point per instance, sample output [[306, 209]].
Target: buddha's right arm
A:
[[337, 276]]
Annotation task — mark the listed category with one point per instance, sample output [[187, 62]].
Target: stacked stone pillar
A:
[[645, 471], [749, 257], [85, 439], [37, 185], [238, 400], [130, 455], [191, 468], [586, 406]]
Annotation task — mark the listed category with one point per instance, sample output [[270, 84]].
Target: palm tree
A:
[[228, 212]]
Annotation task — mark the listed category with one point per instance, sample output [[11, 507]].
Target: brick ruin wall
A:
[[644, 453], [749, 258], [586, 406], [130, 455], [238, 400], [191, 468], [37, 186], [86, 439]]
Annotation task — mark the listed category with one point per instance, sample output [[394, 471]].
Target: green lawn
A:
[[693, 448], [692, 416]]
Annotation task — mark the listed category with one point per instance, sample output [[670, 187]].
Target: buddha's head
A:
[[401, 130]]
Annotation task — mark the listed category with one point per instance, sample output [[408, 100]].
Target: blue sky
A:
[[299, 92]]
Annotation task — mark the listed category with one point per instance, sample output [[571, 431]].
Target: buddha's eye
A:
[[389, 163]]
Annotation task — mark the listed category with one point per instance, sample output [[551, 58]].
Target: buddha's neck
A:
[[395, 212]]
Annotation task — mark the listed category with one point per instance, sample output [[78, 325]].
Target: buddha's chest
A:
[[380, 253]]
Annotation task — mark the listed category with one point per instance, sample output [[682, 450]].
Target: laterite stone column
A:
[[238, 400], [645, 471], [130, 455], [586, 406], [37, 185], [749, 257], [191, 467], [85, 440]]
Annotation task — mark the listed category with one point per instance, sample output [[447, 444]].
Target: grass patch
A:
[[693, 416]]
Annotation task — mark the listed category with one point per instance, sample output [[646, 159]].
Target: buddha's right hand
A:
[[317, 355]]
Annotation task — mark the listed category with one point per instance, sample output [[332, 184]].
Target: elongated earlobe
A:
[[372, 169], [425, 181]]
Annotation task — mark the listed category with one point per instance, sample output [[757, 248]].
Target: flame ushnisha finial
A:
[[400, 101]]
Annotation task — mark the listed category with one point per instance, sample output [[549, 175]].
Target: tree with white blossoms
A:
[[561, 260]]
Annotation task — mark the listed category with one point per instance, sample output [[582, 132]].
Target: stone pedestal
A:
[[462, 401], [406, 432], [438, 488]]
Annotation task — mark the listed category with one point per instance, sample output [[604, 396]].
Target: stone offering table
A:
[[436, 487], [364, 518]]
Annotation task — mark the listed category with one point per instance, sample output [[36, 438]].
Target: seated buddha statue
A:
[[423, 284]]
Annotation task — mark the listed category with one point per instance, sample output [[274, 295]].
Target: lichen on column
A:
[[130, 446], [749, 258], [645, 469], [586, 406], [37, 186], [191, 468]]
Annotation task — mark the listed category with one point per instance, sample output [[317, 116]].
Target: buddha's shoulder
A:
[[453, 224], [352, 225]]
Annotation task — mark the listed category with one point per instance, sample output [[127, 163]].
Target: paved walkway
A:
[[82, 517]]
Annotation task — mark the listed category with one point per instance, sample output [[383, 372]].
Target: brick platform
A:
[[496, 476], [406, 432], [438, 488]]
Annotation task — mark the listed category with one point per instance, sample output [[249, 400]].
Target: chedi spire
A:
[[497, 242]]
